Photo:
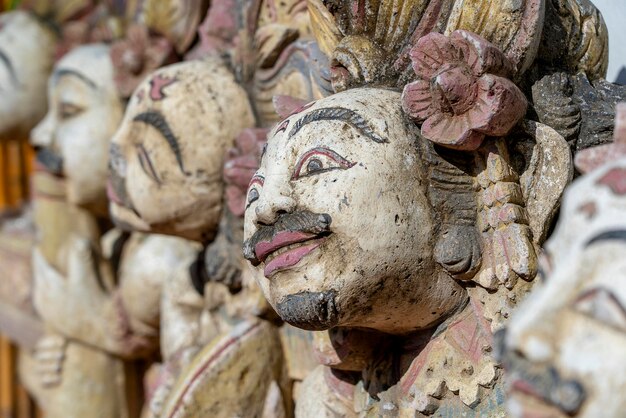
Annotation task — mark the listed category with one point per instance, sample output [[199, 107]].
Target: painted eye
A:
[[69, 110], [253, 193], [602, 305], [146, 163], [319, 160], [314, 165]]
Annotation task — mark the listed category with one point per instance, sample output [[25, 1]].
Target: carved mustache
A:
[[50, 160], [304, 222], [542, 382]]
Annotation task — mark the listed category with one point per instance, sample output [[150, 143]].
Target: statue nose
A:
[[42, 135], [273, 201], [268, 209]]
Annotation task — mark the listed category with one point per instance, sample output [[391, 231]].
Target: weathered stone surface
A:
[[581, 110]]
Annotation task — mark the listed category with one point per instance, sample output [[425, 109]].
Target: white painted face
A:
[[83, 112], [566, 345], [338, 221], [168, 154], [26, 57]]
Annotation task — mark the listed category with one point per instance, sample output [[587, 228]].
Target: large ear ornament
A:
[[458, 250], [548, 169], [465, 101]]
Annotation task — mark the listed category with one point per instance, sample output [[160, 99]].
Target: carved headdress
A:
[[460, 64], [370, 40]]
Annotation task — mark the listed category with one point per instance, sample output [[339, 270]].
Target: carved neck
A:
[[57, 220], [432, 299]]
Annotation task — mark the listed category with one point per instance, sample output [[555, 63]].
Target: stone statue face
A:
[[565, 345], [167, 156], [83, 112], [26, 57], [338, 223]]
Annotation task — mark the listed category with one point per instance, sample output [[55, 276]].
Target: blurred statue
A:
[[70, 203], [563, 348], [26, 58], [219, 358]]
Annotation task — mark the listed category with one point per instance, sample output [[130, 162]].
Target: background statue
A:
[[26, 58], [166, 177], [70, 204], [562, 346]]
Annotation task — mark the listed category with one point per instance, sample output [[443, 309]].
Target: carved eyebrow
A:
[[7, 62], [157, 121], [67, 72], [338, 113], [613, 235]]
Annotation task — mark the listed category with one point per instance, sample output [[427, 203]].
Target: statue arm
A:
[[80, 307]]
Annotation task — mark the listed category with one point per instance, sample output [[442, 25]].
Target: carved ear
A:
[[546, 170], [458, 250]]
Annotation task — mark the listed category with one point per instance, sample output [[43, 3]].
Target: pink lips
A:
[[112, 195], [289, 258]]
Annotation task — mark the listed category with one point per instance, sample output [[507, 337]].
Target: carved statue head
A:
[[355, 219], [331, 222], [26, 57], [564, 347], [83, 113], [167, 155]]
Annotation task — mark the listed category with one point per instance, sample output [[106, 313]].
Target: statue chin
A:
[[313, 311]]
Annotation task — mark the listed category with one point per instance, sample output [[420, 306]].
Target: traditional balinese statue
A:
[[70, 204], [563, 348], [26, 58], [219, 358], [409, 244]]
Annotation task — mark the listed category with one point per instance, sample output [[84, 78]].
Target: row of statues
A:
[[315, 208]]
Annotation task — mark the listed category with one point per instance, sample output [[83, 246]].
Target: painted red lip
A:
[[112, 195], [288, 258]]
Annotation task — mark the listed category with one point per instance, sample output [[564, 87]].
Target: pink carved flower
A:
[[242, 162], [137, 55], [463, 92]]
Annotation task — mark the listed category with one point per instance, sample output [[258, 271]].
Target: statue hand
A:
[[62, 300], [49, 357]]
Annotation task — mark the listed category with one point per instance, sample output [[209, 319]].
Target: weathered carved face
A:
[[83, 112], [26, 57], [565, 345], [167, 156], [338, 223]]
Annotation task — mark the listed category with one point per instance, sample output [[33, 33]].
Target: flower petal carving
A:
[[463, 92]]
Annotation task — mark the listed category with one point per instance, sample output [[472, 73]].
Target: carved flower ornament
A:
[[463, 92]]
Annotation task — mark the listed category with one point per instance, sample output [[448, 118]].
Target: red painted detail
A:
[[219, 350], [615, 179], [157, 84]]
